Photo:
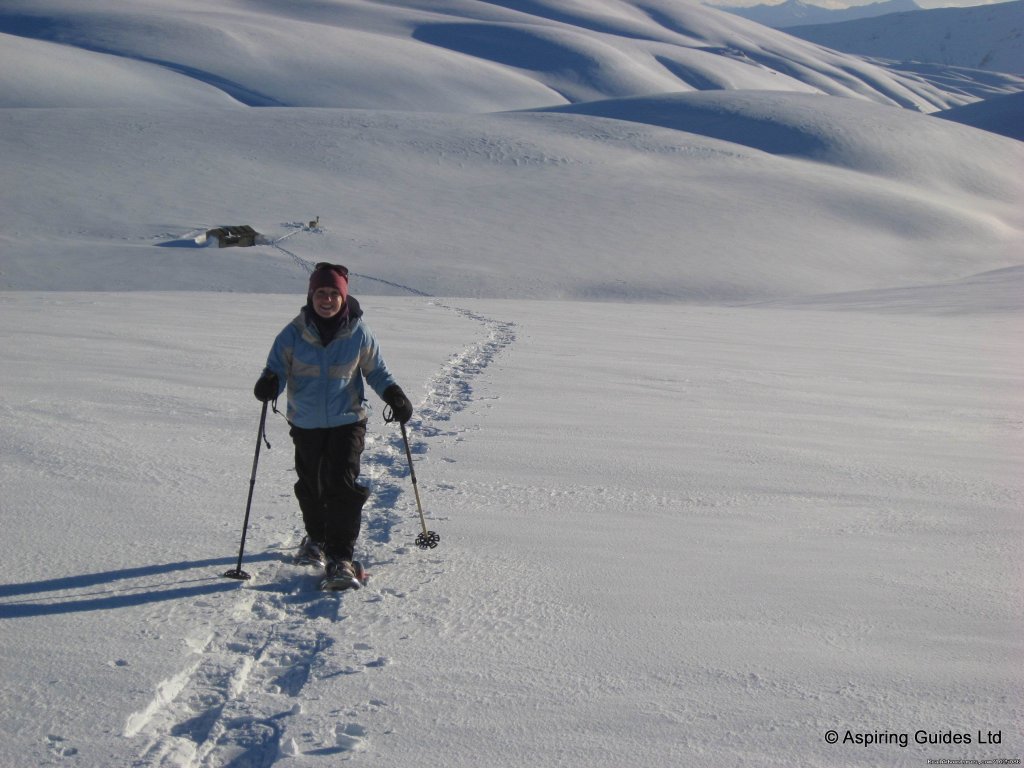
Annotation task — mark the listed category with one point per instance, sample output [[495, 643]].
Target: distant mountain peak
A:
[[983, 37]]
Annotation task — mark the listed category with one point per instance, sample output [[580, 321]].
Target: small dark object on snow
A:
[[428, 540], [242, 236]]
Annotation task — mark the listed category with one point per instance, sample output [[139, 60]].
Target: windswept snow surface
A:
[[719, 407], [669, 535]]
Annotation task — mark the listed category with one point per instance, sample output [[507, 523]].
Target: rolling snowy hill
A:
[[110, 184], [461, 55], [1003, 115]]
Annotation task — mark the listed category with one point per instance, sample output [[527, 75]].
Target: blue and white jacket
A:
[[325, 384]]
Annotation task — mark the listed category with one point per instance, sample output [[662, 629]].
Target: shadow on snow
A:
[[115, 598]]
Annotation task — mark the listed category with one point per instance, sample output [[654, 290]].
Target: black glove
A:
[[401, 408], [267, 387]]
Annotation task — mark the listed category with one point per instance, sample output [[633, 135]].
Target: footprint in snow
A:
[[59, 747], [350, 737]]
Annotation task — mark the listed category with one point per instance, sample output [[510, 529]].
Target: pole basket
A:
[[428, 540]]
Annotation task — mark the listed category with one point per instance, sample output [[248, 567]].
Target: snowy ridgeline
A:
[[791, 13], [465, 56]]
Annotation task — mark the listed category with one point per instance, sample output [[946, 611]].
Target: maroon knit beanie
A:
[[329, 276]]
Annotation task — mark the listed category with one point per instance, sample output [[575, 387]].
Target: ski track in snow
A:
[[239, 700]]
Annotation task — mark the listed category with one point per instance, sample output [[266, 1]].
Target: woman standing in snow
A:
[[322, 357]]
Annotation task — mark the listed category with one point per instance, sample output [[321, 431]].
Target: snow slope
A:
[[718, 393], [851, 197], [982, 37], [705, 535], [1003, 115], [457, 55]]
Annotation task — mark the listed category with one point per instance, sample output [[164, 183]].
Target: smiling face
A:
[[327, 302]]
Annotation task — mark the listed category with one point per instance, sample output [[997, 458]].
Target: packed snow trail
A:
[[239, 701]]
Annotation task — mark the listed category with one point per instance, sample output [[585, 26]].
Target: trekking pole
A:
[[427, 539], [237, 572]]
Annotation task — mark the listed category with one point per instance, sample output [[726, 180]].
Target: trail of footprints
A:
[[451, 390], [243, 693], [239, 702]]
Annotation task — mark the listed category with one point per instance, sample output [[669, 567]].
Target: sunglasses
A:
[[341, 270]]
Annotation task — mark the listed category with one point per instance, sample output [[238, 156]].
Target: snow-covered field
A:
[[718, 386]]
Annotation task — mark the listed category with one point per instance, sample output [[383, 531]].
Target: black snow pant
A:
[[327, 462]]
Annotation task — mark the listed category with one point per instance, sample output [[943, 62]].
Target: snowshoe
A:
[[343, 574], [311, 553]]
